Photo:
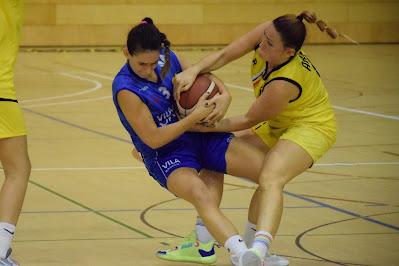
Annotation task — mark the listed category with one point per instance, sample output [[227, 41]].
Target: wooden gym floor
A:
[[90, 203]]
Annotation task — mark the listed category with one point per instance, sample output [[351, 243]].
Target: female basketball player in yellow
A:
[[13, 145], [291, 118]]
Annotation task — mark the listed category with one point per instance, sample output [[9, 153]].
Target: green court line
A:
[[90, 209]]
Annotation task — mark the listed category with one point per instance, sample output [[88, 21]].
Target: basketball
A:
[[188, 99]]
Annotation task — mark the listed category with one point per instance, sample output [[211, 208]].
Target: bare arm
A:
[[234, 50], [268, 105], [183, 62], [141, 120], [231, 52]]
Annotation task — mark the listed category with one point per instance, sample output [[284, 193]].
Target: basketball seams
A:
[[189, 99]]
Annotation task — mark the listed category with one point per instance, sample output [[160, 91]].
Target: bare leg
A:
[[185, 183], [248, 136], [16, 166], [214, 183], [213, 180], [285, 161]]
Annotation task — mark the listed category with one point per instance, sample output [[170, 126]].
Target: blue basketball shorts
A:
[[196, 150]]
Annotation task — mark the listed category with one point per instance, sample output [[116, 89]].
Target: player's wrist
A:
[[195, 70]]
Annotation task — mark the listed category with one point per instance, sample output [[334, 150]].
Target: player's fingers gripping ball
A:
[[189, 99]]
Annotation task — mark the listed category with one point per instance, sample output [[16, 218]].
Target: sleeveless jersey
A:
[[158, 96], [10, 27], [311, 106]]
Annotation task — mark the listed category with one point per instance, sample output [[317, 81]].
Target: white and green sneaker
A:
[[191, 250]]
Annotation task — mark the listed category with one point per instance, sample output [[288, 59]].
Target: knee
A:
[[18, 171], [202, 198], [27, 170], [271, 183], [24, 171]]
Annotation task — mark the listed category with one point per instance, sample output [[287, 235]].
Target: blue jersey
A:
[[189, 150], [158, 96]]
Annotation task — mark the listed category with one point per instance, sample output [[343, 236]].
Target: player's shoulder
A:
[[124, 79]]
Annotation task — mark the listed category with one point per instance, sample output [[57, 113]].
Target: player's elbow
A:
[[251, 120], [151, 141], [154, 144]]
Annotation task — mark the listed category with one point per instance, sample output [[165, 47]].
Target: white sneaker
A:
[[7, 261], [274, 260], [251, 257]]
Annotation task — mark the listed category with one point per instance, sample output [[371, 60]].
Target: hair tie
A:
[[143, 22]]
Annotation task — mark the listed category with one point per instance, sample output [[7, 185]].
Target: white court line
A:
[[68, 102], [393, 117], [98, 75], [97, 86], [142, 167], [352, 110], [356, 164]]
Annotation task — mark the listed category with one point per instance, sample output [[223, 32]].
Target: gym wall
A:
[[198, 22]]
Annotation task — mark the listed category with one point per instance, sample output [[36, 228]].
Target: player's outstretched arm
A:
[[268, 105], [216, 60]]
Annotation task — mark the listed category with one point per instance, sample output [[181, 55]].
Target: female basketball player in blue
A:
[[143, 97], [291, 118], [13, 144]]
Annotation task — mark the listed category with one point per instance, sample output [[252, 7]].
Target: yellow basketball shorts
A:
[[12, 123], [314, 140]]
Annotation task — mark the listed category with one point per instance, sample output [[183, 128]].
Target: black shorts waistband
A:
[[8, 100]]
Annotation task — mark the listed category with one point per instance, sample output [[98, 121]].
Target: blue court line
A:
[[285, 192], [341, 210]]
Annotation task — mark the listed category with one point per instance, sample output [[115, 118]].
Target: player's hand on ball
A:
[[183, 81], [221, 103], [203, 108]]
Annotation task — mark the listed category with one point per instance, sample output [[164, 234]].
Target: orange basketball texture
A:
[[189, 98]]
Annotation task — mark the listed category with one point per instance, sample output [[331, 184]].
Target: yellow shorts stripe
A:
[[12, 123]]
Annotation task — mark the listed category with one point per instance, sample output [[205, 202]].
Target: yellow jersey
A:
[[312, 105], [10, 27]]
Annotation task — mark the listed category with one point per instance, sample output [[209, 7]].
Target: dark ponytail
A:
[[145, 36], [166, 45], [293, 31]]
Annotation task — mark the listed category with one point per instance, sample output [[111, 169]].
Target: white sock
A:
[[262, 242], [203, 234], [235, 245], [249, 235], [6, 235]]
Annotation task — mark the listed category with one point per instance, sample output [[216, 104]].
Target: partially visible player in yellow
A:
[[13, 144], [291, 118]]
